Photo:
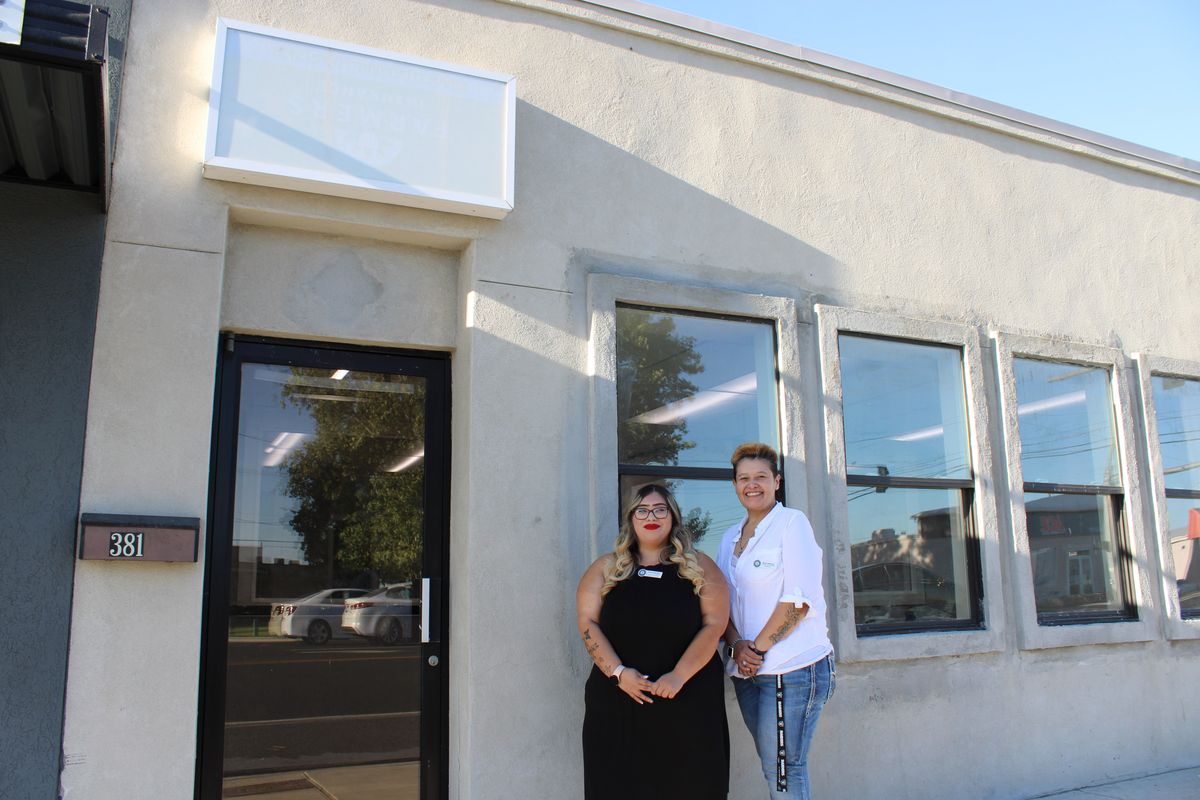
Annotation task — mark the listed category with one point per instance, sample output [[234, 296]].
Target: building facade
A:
[[53, 196], [396, 420]]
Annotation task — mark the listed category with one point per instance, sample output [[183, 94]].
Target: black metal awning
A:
[[54, 98]]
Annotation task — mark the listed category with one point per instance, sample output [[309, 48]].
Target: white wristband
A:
[[616, 673]]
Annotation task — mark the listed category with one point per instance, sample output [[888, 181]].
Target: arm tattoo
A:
[[794, 615], [592, 649]]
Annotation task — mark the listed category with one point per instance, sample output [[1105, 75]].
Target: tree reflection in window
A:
[[358, 480], [690, 388], [652, 368]]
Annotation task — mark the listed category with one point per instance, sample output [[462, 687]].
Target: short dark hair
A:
[[755, 450]]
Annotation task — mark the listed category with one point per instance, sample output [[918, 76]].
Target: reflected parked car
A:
[[388, 614], [316, 618]]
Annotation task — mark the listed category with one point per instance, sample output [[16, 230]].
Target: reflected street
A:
[[346, 702]]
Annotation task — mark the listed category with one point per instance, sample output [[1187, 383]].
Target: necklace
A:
[[739, 546]]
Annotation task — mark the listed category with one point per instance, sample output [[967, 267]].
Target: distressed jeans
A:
[[805, 692]]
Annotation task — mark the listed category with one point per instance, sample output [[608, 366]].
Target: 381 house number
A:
[[138, 538], [125, 544]]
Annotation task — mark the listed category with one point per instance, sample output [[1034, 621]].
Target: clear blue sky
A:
[[1124, 68]]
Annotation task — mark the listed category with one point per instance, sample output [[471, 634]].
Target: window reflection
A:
[[1074, 558], [1184, 537], [1177, 410], [1066, 423], [908, 556], [324, 583], [691, 388], [908, 469], [903, 408], [709, 507]]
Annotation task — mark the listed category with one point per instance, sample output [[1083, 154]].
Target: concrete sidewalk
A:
[[1181, 784], [401, 780]]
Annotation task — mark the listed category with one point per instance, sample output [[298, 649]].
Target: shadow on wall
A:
[[529, 323], [644, 221]]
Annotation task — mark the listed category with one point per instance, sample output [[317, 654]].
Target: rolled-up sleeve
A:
[[802, 562]]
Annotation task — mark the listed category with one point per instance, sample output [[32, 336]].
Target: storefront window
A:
[[1073, 494], [691, 388], [1177, 411], [913, 555]]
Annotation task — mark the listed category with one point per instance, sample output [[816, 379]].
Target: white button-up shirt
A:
[[781, 564]]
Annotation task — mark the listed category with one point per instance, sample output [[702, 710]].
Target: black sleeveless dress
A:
[[673, 748]]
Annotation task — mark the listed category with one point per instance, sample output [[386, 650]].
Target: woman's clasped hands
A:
[[636, 685], [642, 689], [667, 685], [748, 662]]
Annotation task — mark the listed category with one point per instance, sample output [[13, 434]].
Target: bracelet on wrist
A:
[[756, 651]]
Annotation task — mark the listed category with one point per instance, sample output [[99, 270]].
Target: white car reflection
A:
[[388, 614], [316, 618]]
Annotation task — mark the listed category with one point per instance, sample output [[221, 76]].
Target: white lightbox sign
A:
[[298, 112]]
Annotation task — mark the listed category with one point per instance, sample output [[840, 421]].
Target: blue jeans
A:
[[805, 692]]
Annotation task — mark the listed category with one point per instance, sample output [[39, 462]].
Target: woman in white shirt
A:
[[781, 658]]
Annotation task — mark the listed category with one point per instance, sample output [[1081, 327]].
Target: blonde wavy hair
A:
[[680, 548]]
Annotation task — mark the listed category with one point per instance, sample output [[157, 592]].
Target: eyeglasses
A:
[[659, 512]]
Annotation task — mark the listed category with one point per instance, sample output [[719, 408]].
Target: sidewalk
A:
[[374, 780], [1181, 784], [400, 780]]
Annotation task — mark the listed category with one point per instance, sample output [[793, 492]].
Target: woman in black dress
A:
[[650, 614]]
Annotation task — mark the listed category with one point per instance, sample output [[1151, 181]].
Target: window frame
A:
[[605, 292], [1176, 625], [1067, 630], [646, 473], [910, 642]]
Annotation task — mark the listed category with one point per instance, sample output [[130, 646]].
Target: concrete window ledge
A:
[[1033, 635], [603, 293], [1175, 626], [832, 320]]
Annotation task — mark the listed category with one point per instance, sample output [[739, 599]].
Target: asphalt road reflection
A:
[[292, 705]]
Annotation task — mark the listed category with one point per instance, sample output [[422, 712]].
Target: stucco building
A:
[[396, 299]]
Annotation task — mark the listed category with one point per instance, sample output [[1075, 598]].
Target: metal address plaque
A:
[[127, 537]]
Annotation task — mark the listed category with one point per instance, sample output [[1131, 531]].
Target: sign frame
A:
[[362, 186], [138, 538]]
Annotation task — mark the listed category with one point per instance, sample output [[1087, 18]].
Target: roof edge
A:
[[854, 69]]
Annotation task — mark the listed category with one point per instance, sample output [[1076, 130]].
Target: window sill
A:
[[893, 646], [1082, 631]]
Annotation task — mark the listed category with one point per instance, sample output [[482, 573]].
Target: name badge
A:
[[649, 573]]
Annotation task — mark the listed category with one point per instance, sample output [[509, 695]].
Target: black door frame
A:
[[235, 350]]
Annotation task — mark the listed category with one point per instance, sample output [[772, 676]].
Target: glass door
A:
[[323, 662]]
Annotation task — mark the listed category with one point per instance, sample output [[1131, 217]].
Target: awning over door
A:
[[54, 97]]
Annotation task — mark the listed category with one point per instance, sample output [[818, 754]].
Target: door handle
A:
[[425, 598]]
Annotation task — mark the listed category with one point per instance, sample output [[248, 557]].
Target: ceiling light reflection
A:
[[1070, 399], [736, 389], [280, 446], [405, 463]]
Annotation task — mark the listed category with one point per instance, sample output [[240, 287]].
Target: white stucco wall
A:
[[649, 152]]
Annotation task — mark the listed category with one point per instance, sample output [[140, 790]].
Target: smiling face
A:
[[652, 532], [756, 485]]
